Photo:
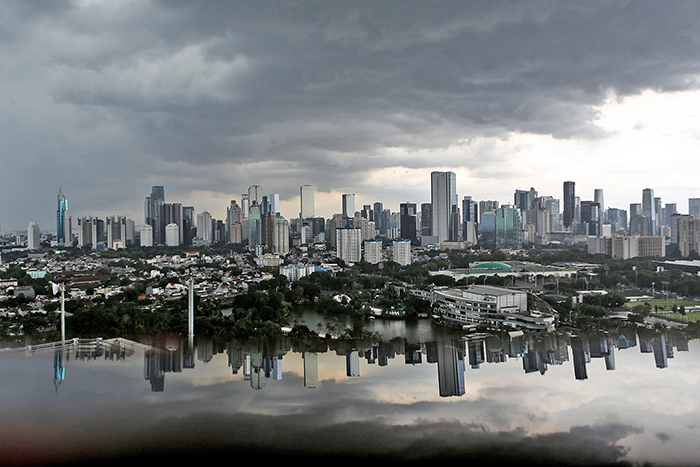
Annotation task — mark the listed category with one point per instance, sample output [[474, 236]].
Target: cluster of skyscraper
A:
[[257, 221]]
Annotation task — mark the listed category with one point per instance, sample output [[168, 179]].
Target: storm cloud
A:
[[108, 98]]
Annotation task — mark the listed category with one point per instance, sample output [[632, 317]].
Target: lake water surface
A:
[[419, 393]]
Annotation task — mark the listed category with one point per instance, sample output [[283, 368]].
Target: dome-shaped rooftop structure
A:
[[492, 265]]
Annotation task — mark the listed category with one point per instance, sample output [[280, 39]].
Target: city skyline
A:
[[687, 207], [350, 98]]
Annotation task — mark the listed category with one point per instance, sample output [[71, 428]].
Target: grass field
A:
[[664, 304], [688, 317]]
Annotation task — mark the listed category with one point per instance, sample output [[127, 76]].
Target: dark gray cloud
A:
[[108, 98]]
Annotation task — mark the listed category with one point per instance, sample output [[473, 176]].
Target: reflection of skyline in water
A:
[[455, 392], [260, 360]]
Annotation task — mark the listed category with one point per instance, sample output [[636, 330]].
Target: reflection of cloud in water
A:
[[308, 434]]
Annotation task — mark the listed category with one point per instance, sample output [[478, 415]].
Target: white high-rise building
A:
[[280, 243], [33, 235], [204, 228], [146, 235], [443, 196], [308, 208], [373, 251], [402, 252], [349, 244], [172, 234]]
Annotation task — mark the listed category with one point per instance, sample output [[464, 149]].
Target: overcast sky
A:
[[107, 98]]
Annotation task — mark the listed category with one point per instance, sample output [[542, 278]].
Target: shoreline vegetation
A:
[[363, 292]]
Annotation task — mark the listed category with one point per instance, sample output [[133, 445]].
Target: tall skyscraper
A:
[[234, 216], [379, 219], [408, 221], [649, 206], [63, 221], [598, 198], [470, 216], [443, 195], [509, 227], [245, 205], [189, 226], [153, 213], [590, 214], [520, 199], [255, 195], [307, 194], [569, 203], [348, 205], [85, 232], [426, 219]]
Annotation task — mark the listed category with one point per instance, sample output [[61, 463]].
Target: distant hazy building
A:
[[618, 219], [307, 194], [688, 236], [694, 207], [509, 227], [153, 213], [368, 229], [628, 246], [488, 228], [334, 223], [33, 236]]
